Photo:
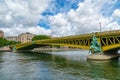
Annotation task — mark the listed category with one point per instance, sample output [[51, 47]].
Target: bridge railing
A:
[[105, 33]]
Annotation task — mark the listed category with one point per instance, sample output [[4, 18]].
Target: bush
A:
[[40, 37]]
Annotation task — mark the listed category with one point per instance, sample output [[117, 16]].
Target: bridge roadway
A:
[[109, 40]]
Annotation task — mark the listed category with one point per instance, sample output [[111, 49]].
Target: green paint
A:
[[95, 45]]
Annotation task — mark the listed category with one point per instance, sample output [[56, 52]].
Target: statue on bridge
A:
[[95, 46]]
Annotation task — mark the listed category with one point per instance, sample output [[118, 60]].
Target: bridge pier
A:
[[102, 56]]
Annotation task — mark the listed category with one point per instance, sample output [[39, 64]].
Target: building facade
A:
[[26, 37], [13, 38], [1, 33]]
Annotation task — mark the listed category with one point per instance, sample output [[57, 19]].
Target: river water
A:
[[63, 65]]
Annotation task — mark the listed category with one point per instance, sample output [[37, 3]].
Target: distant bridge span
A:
[[109, 40]]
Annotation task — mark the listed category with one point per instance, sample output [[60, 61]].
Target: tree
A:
[[3, 42], [12, 42], [40, 37]]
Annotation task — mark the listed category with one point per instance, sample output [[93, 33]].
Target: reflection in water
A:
[[68, 65], [105, 69]]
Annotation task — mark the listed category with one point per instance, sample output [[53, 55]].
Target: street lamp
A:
[[110, 29]]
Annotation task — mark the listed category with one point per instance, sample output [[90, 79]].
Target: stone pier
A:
[[102, 56]]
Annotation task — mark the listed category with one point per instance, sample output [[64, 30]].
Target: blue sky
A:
[[58, 6], [61, 6], [58, 17]]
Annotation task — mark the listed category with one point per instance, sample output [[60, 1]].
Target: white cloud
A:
[[22, 12], [116, 13], [112, 26], [60, 26], [84, 19], [19, 28]]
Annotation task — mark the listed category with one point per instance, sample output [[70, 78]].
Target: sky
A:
[[58, 18]]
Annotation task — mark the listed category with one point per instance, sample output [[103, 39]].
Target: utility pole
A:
[[100, 26]]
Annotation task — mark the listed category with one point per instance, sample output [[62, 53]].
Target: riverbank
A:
[[5, 49], [54, 49], [42, 49]]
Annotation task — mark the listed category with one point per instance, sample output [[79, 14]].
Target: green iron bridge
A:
[[108, 41]]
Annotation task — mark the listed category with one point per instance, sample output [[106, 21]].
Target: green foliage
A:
[[40, 37], [4, 42], [12, 42]]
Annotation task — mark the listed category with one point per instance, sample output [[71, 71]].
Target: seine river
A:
[[63, 65]]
